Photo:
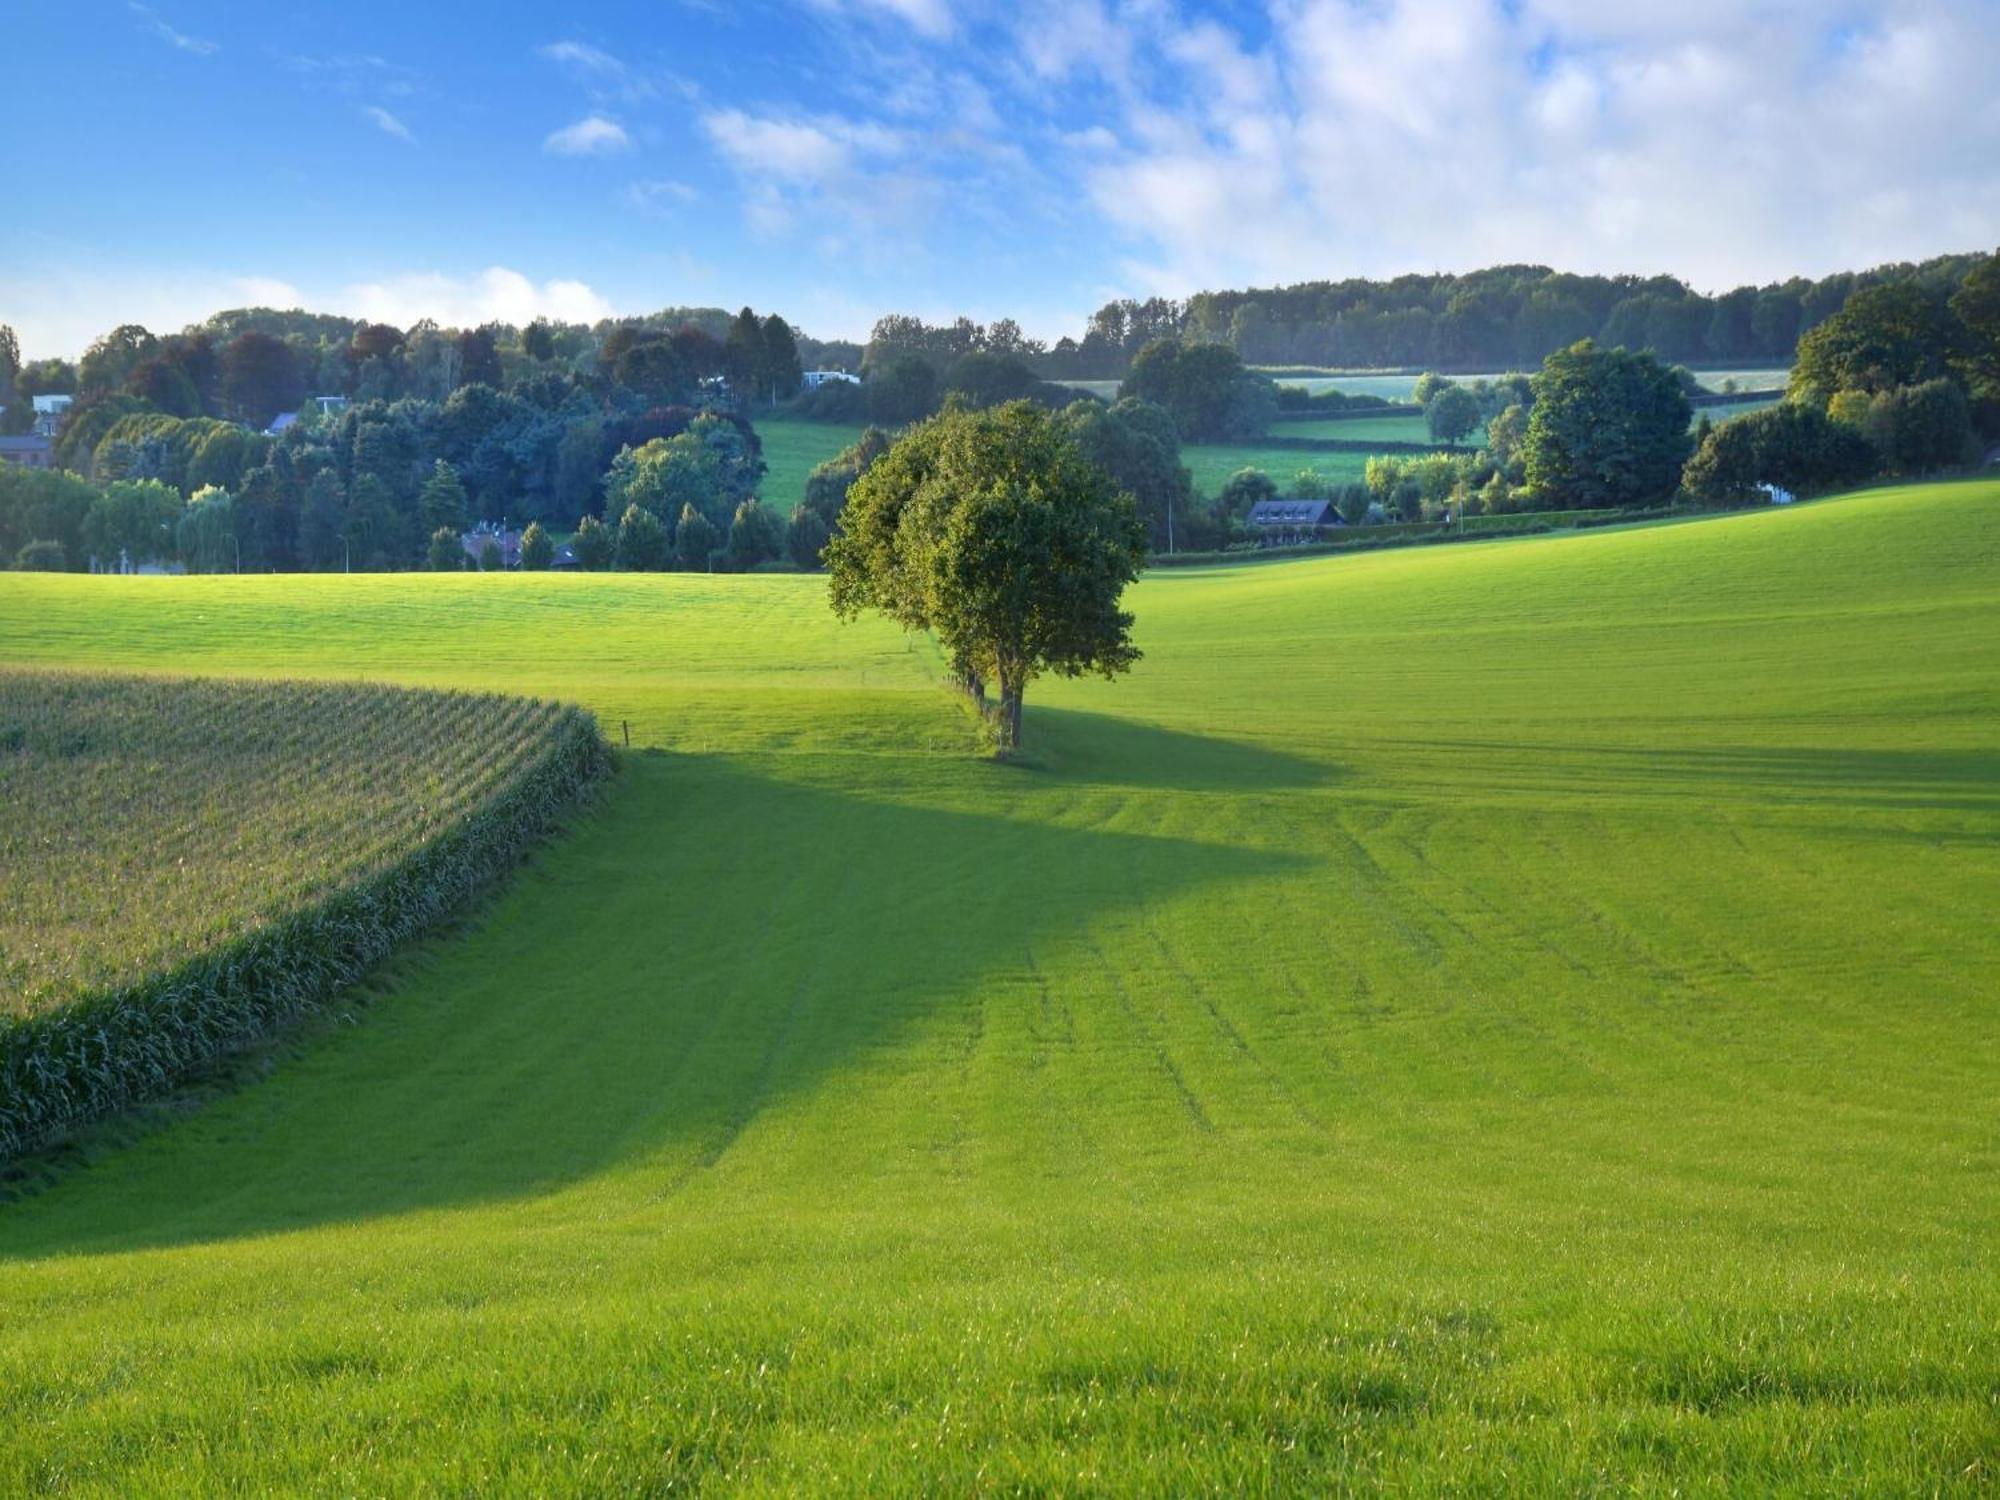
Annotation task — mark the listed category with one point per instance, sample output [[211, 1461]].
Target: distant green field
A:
[[792, 450], [1397, 387], [1404, 429], [1499, 1019], [1734, 409], [1213, 463]]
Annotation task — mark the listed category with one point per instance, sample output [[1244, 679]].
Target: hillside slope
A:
[[1504, 1017]]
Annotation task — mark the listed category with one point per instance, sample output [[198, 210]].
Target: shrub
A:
[[1308, 485], [537, 550], [592, 545], [806, 537], [756, 536], [447, 551], [696, 543], [41, 557], [1243, 489], [1920, 429], [1794, 446], [834, 401], [643, 545]]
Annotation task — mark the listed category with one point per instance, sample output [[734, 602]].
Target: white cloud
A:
[[593, 135], [61, 309], [1718, 141], [844, 178], [659, 195], [604, 78], [387, 123], [496, 294], [179, 40], [931, 18], [58, 309], [792, 150], [584, 58]]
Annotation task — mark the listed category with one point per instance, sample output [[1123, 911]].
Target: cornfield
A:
[[187, 864]]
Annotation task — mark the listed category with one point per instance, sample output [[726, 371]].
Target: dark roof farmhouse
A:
[[32, 451], [1292, 520]]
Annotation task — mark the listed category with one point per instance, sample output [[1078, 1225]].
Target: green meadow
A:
[[1515, 1017], [1404, 428], [1211, 464], [792, 450]]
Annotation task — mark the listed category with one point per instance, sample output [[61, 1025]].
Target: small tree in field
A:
[[592, 545], [1452, 413], [643, 544], [993, 531], [695, 542], [537, 551], [447, 552], [490, 558]]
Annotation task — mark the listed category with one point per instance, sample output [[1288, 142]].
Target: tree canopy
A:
[[993, 531], [1204, 388], [1608, 428]]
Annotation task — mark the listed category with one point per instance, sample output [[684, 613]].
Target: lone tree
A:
[[1452, 413], [1609, 428], [992, 530]]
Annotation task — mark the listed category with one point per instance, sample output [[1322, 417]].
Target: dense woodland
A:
[[639, 436], [1501, 318]]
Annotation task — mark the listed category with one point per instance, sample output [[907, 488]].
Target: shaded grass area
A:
[[1487, 1019]]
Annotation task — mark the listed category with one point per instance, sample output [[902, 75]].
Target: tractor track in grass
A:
[[1153, 1041]]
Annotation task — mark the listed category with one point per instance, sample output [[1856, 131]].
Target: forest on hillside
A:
[[1500, 318]]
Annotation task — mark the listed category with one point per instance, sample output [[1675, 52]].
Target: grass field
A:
[[1402, 429], [1397, 387], [792, 450], [1211, 464], [1503, 1018]]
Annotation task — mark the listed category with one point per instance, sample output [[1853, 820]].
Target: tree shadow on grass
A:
[[1102, 750], [706, 944]]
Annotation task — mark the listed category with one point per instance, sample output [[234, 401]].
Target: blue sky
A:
[[837, 159]]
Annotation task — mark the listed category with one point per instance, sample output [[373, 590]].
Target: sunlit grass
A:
[[1473, 1020]]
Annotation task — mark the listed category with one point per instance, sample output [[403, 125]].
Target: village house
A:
[[509, 543], [30, 451], [1282, 523]]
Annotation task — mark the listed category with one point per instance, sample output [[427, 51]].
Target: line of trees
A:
[[1902, 382], [1498, 318], [249, 365]]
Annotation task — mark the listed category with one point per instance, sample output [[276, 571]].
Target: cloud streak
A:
[[594, 135], [387, 123], [179, 40]]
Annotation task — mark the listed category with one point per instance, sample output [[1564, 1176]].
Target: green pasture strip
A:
[[792, 450]]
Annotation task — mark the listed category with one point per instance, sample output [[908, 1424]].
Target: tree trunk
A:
[[1008, 719], [974, 687]]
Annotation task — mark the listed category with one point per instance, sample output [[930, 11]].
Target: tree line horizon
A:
[[1494, 318]]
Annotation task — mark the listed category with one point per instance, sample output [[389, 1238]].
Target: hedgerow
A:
[[190, 865]]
